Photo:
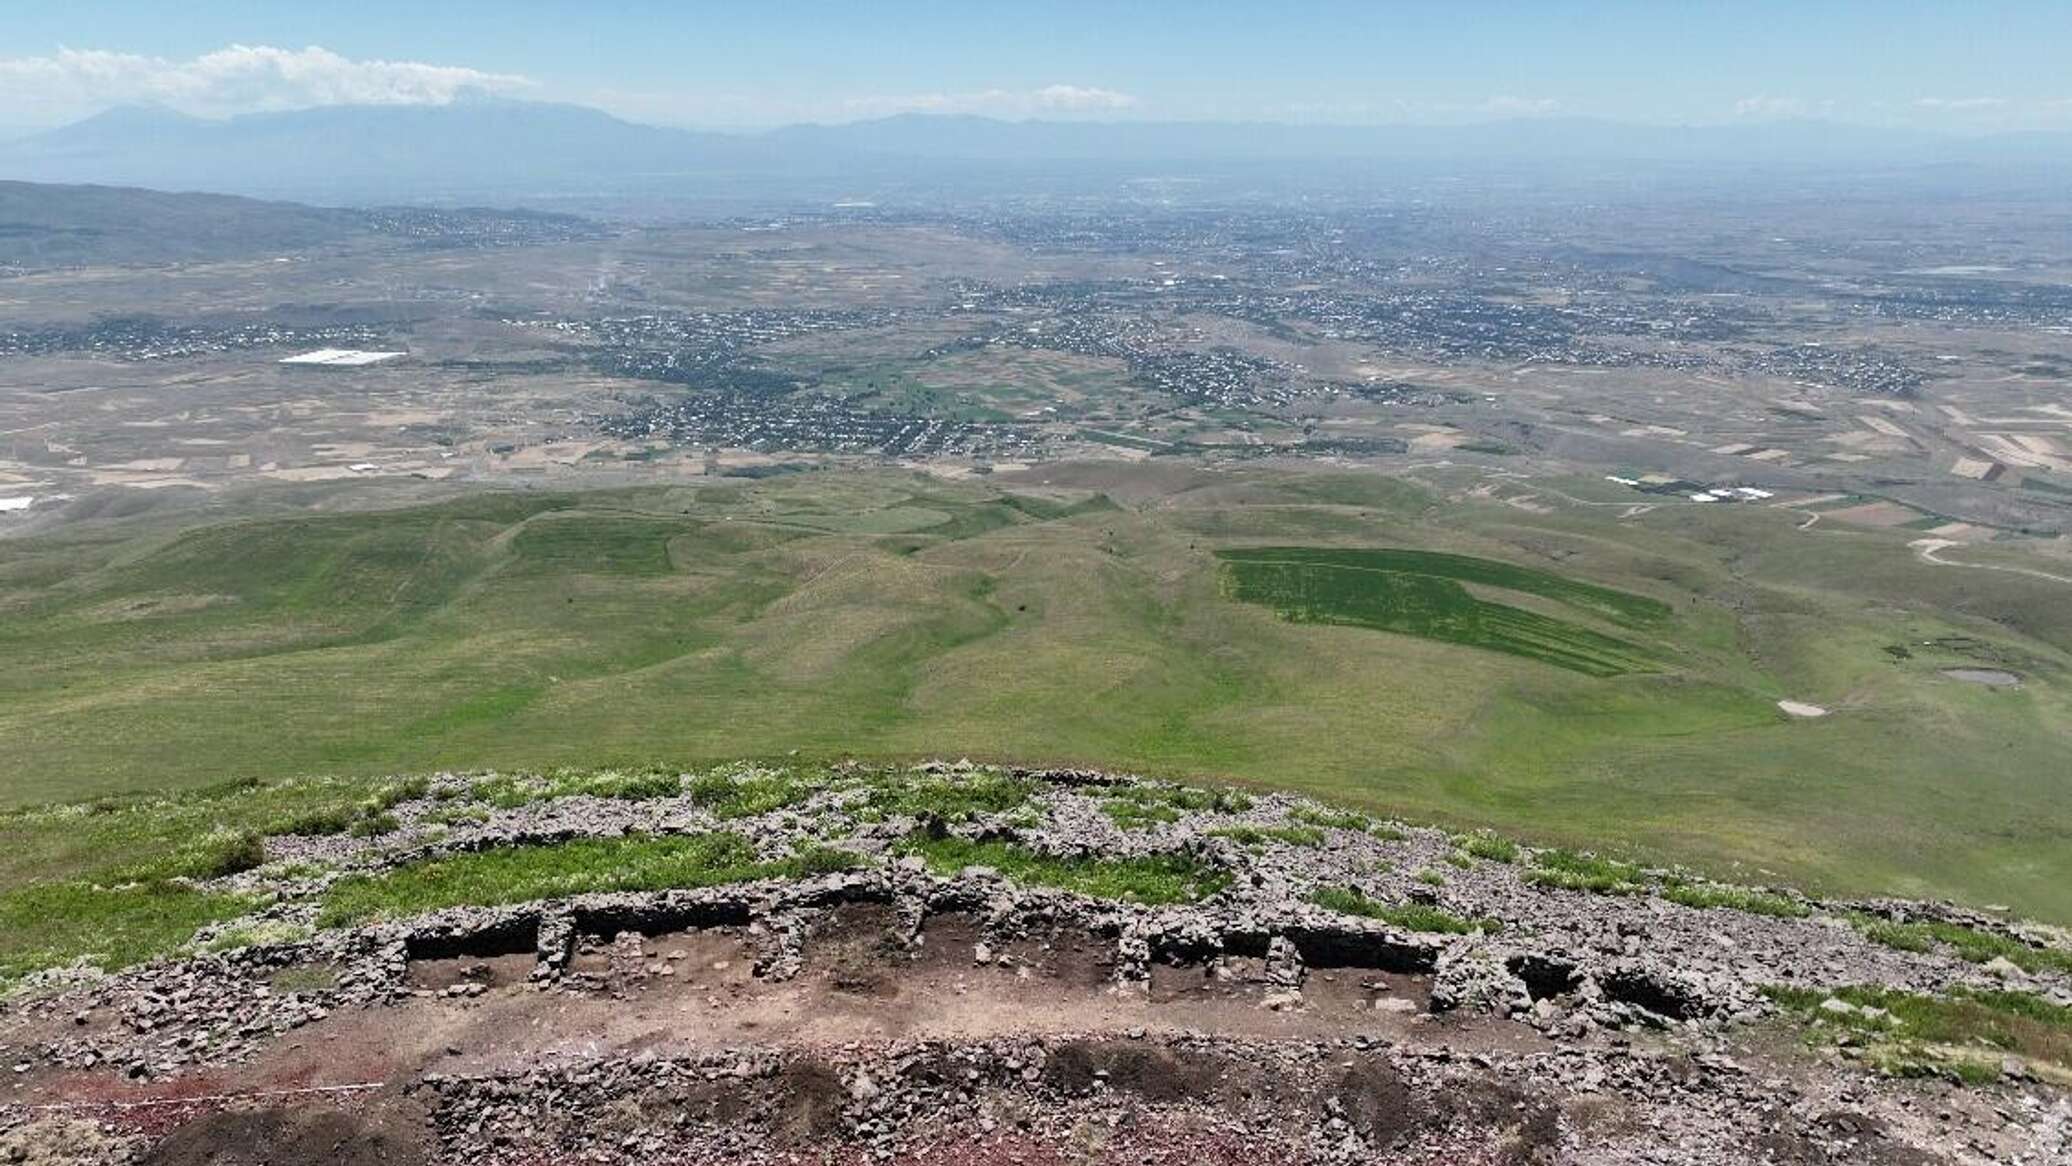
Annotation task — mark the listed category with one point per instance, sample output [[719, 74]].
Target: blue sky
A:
[[1955, 65]]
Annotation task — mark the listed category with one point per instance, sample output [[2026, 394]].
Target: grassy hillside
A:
[[53, 226], [888, 614]]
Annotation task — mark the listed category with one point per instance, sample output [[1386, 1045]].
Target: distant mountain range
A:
[[484, 147]]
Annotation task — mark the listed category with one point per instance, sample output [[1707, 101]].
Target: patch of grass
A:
[[1430, 877], [56, 924], [1248, 835], [1329, 819], [373, 825], [1572, 871], [197, 834], [1489, 845], [1736, 898], [362, 820], [1187, 799], [1389, 833], [822, 860], [1131, 815], [509, 791], [1422, 594], [315, 822], [454, 815], [519, 874], [595, 544], [1965, 942], [950, 797], [229, 852], [1152, 879], [1910, 1033], [745, 792], [395, 793], [1411, 916], [271, 931], [1623, 606]]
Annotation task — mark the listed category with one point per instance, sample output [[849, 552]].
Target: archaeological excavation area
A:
[[955, 963]]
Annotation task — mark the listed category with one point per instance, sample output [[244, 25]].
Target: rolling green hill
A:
[[1569, 677]]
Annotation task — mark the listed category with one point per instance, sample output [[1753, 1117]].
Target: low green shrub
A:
[[517, 874], [1961, 1035], [1329, 819], [229, 852], [950, 797], [1727, 895], [1411, 916], [1572, 871], [1967, 943], [1154, 879], [1131, 815], [1492, 846]]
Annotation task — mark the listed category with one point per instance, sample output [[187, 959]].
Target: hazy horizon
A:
[[1971, 70]]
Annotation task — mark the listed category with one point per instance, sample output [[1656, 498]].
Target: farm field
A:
[[1575, 678], [1421, 594]]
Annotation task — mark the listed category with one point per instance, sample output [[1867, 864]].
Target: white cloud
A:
[[1960, 104], [1519, 106], [1080, 97], [1765, 106], [1418, 111], [1051, 99], [235, 79]]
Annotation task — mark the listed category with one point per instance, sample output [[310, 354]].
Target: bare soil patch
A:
[[392, 1133]]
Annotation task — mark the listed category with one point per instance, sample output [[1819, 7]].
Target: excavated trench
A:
[[1651, 994], [865, 944], [516, 936], [1546, 976], [665, 919], [1344, 948]]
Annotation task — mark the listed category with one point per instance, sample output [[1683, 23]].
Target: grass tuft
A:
[[519, 874], [1736, 898], [1961, 1035], [1131, 815], [229, 852], [952, 798], [1154, 879], [1328, 819], [1572, 871], [373, 825], [1411, 916], [732, 794], [268, 932], [509, 791], [1967, 943], [1183, 799], [1490, 845]]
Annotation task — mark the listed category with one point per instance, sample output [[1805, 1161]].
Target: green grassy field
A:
[[1615, 687], [1421, 594]]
